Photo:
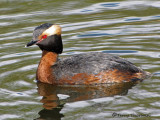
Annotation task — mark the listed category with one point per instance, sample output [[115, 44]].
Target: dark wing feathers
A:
[[92, 63]]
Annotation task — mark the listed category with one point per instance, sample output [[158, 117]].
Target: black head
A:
[[48, 37]]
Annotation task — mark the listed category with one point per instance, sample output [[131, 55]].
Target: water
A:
[[126, 28]]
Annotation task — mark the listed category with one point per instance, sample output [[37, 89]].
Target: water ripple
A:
[[21, 54], [25, 68], [129, 5], [17, 103], [23, 15], [126, 28], [9, 116]]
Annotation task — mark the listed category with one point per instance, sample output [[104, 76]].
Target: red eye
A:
[[44, 36]]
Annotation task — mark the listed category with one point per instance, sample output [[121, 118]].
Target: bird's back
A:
[[92, 63]]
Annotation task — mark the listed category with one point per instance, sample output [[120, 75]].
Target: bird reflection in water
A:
[[53, 105]]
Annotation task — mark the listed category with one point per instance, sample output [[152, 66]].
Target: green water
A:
[[126, 28]]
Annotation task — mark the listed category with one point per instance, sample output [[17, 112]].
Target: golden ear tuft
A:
[[53, 30]]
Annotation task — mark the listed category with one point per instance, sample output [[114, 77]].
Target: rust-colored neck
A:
[[44, 71]]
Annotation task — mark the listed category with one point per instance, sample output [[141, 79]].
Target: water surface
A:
[[126, 28]]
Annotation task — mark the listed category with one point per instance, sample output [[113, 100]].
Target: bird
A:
[[79, 69]]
